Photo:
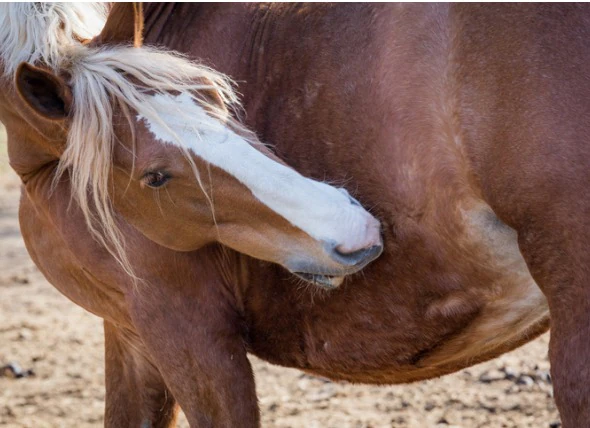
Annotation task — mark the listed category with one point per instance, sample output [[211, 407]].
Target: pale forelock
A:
[[37, 32]]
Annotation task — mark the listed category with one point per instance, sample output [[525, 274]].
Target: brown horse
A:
[[461, 126]]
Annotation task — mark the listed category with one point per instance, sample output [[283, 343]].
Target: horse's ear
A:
[[47, 94], [124, 25]]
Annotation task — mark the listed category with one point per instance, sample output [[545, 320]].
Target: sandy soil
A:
[[42, 331]]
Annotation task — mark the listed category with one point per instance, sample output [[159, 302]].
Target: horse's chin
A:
[[327, 282]]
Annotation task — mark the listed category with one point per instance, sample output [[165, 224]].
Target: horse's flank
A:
[[412, 154]]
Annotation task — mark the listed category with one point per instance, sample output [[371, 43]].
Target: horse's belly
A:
[[511, 311]]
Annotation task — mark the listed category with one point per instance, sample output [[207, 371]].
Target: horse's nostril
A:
[[359, 257]]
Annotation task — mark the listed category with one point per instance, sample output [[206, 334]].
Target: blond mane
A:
[[37, 32], [103, 79]]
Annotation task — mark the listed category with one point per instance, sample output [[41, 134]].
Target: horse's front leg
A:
[[136, 395], [192, 336]]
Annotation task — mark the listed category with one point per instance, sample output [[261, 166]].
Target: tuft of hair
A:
[[37, 32], [106, 78]]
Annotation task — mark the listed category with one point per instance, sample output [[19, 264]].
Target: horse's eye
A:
[[155, 179]]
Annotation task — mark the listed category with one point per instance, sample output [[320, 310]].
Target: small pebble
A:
[[525, 380], [15, 371]]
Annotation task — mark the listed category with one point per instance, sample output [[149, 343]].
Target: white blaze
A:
[[318, 209]]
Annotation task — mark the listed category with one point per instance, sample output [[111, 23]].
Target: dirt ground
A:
[[42, 331]]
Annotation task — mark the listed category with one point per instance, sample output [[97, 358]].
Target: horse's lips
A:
[[324, 281]]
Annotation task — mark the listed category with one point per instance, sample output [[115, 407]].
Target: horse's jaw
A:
[[324, 281]]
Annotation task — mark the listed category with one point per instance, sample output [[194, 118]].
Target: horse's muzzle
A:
[[346, 264]]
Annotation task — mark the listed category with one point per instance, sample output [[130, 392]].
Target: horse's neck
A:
[[204, 31], [231, 38]]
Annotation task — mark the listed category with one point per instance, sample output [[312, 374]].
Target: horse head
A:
[[147, 137]]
